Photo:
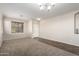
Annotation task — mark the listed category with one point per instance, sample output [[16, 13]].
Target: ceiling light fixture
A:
[[41, 7], [49, 7], [46, 6]]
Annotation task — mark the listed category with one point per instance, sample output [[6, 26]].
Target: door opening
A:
[[35, 28]]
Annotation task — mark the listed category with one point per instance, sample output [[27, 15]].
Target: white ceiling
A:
[[31, 10]]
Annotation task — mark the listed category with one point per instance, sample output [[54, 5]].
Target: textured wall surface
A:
[[60, 28]]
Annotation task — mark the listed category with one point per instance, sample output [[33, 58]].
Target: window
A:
[[17, 27], [76, 23]]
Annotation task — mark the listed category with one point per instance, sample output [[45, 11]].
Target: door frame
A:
[[38, 24]]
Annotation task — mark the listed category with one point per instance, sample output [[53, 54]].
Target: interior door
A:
[[35, 28]]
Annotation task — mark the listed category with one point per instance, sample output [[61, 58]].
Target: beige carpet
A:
[[67, 47], [30, 47]]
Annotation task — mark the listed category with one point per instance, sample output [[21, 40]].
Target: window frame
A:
[[22, 23]]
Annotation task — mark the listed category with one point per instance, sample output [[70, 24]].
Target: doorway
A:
[[35, 28]]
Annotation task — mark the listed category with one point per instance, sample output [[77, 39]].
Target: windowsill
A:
[[17, 33]]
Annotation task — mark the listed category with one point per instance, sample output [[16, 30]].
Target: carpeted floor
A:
[[67, 47], [30, 47]]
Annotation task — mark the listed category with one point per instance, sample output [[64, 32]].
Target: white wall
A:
[[60, 28], [1, 30], [7, 29]]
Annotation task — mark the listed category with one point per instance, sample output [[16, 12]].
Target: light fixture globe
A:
[[46, 6]]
